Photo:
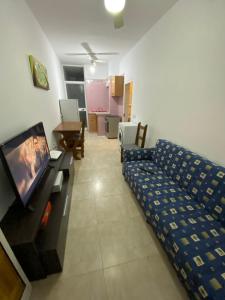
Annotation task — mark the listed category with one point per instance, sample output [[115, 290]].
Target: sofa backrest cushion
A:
[[216, 204], [211, 183], [200, 170], [177, 162], [197, 175], [173, 164], [167, 156], [193, 172], [186, 170], [161, 152]]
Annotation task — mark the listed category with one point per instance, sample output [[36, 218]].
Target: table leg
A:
[[76, 142]]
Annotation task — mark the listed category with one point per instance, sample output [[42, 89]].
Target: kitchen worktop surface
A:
[[100, 112]]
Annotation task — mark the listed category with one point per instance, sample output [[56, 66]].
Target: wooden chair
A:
[[79, 141], [139, 140], [75, 143]]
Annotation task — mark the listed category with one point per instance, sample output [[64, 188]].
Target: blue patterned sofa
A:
[[183, 198]]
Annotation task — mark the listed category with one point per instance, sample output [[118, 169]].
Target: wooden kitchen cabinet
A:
[[92, 120], [117, 86]]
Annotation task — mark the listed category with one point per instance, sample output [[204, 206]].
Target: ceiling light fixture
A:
[[92, 69], [114, 6]]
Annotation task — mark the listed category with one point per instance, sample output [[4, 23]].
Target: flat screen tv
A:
[[26, 158]]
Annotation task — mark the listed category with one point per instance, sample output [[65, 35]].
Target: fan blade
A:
[[99, 61], [107, 53], [118, 21], [93, 56], [98, 53], [78, 54], [86, 46]]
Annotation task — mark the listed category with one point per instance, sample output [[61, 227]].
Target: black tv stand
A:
[[30, 208], [40, 251]]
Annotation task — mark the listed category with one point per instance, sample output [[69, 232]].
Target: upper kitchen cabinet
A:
[[117, 86]]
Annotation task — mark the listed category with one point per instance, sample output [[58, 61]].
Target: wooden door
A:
[[128, 102], [92, 122], [11, 284]]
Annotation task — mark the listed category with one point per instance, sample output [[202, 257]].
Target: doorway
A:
[[75, 88], [128, 102], [77, 91]]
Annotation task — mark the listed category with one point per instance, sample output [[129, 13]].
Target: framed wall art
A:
[[39, 73]]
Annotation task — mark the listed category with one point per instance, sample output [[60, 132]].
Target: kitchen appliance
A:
[[77, 91], [111, 126], [127, 133], [69, 110]]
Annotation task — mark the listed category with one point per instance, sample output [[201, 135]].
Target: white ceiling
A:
[[68, 23]]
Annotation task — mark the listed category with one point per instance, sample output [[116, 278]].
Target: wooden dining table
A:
[[68, 131], [69, 127]]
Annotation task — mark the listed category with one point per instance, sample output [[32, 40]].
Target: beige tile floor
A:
[[111, 253]]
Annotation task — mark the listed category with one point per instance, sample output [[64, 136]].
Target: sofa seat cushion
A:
[[196, 243], [201, 267], [154, 187], [131, 167], [202, 264], [210, 285], [191, 229], [145, 166], [207, 250], [160, 198], [181, 209], [169, 223], [141, 171], [153, 184]]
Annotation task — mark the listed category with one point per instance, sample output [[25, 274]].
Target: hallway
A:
[[111, 252]]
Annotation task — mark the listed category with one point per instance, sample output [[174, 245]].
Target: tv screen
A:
[[26, 158]]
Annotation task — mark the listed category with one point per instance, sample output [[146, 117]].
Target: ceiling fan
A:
[[115, 8], [93, 56]]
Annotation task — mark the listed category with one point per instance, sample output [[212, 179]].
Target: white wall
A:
[[101, 72], [114, 66], [22, 104], [178, 69]]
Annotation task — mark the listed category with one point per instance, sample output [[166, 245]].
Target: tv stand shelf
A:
[[41, 251]]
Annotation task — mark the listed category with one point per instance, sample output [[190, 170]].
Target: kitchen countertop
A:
[[100, 112]]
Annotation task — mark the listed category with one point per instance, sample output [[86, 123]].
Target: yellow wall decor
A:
[[39, 73]]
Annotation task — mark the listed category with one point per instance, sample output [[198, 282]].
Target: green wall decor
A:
[[39, 73]]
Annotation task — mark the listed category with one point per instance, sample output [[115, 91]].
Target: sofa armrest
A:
[[138, 154]]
